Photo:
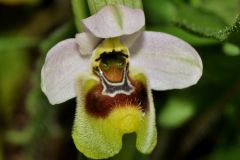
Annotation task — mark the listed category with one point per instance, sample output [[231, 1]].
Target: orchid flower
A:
[[111, 69]]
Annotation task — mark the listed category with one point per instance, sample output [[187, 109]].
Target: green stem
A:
[[80, 12], [1, 148], [95, 5]]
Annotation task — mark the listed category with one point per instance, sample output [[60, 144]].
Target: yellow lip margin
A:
[[108, 45]]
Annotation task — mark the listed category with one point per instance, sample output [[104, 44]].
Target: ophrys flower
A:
[[111, 68]]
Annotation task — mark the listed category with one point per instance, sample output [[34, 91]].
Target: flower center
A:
[[113, 66], [110, 64]]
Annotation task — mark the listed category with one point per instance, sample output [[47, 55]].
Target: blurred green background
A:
[[198, 123]]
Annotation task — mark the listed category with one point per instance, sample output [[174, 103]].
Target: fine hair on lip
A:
[[100, 105]]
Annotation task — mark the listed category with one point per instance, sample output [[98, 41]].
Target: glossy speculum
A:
[[115, 88], [113, 74]]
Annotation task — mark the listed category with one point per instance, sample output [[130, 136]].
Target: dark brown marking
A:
[[100, 105], [104, 54]]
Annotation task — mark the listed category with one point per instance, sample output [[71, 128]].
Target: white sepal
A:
[[115, 21]]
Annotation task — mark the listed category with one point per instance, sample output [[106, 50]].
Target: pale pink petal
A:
[[62, 65], [114, 21], [169, 62]]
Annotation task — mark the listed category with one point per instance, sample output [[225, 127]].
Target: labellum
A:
[[115, 100]]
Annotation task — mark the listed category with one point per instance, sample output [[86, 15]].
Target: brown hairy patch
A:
[[100, 105]]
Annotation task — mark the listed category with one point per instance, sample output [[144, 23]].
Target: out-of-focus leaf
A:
[[14, 68], [159, 11], [19, 137], [230, 152], [190, 38], [20, 2], [176, 112], [204, 23], [222, 72], [14, 71], [139, 156], [226, 10], [43, 124], [215, 19], [95, 5], [207, 23], [9, 42], [1, 149], [231, 49], [63, 32]]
